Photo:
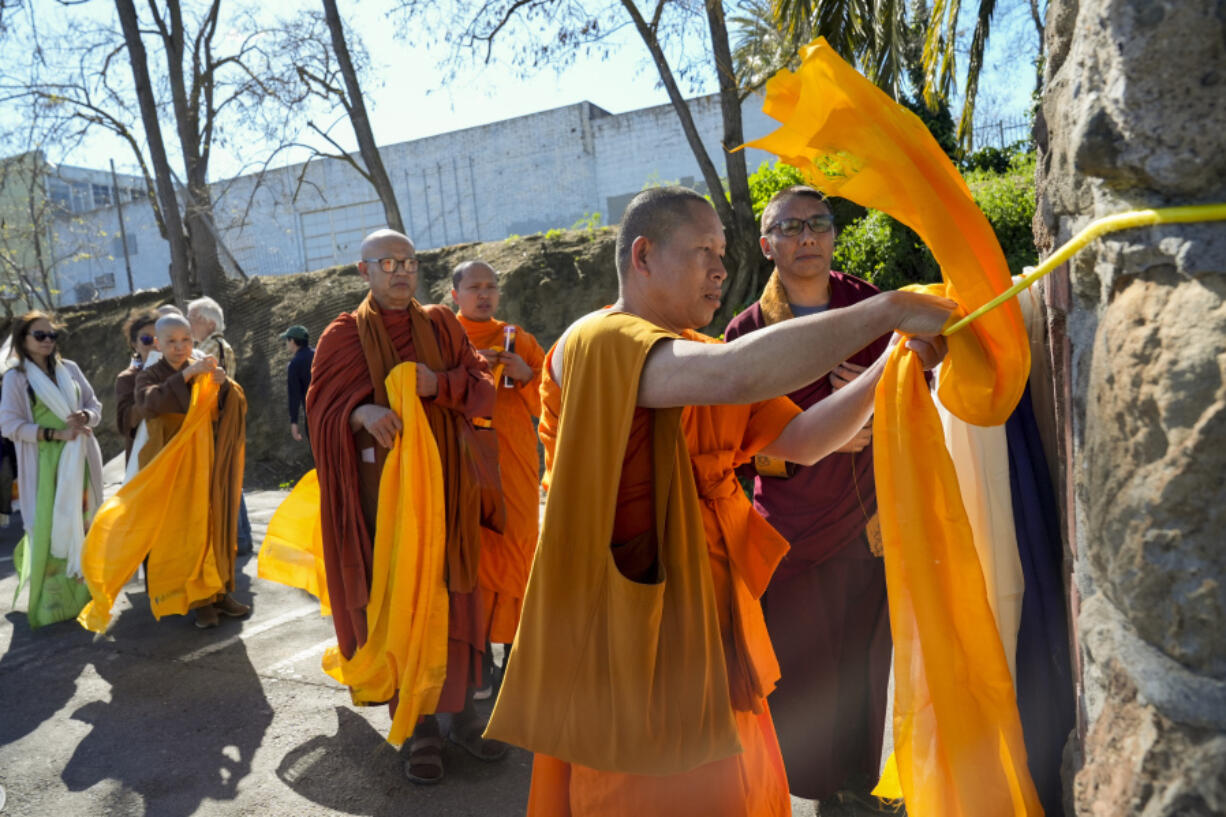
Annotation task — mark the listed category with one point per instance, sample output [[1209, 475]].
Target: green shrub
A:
[[589, 222], [874, 246], [880, 249]]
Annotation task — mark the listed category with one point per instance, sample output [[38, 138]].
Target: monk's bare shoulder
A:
[[559, 348]]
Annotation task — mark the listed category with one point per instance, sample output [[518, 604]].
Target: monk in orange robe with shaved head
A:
[[506, 556], [352, 428], [641, 668]]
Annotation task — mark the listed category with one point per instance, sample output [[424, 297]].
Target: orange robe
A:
[[746, 777], [507, 556], [352, 359]]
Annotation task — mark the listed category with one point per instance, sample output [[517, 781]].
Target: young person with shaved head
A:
[[642, 664], [515, 355], [352, 428]]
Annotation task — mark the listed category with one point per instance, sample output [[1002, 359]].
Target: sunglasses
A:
[[146, 340], [820, 223], [389, 265], [40, 335]]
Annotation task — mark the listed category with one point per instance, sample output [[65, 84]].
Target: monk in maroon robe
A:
[[352, 429], [826, 603]]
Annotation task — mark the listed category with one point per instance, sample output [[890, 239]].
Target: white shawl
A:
[[63, 397]]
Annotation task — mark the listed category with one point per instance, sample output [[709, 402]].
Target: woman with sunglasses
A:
[[48, 408], [138, 331]]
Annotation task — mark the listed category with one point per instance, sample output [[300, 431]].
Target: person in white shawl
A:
[[48, 410]]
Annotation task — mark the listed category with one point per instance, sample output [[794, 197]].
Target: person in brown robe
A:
[[826, 604], [163, 394], [138, 331], [352, 429]]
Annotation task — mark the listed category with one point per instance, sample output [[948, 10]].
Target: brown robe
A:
[[162, 396], [353, 357], [127, 415]]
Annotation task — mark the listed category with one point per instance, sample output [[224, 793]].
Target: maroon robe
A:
[[826, 604], [349, 480]]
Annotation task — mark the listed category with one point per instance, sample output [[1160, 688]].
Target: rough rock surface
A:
[[547, 282], [1133, 117]]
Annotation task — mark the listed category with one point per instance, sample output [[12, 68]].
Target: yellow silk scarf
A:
[[292, 552], [957, 735], [163, 513], [405, 652]]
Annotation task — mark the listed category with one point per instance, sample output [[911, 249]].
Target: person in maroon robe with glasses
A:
[[826, 604]]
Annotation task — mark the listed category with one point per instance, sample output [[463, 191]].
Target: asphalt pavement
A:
[[160, 719]]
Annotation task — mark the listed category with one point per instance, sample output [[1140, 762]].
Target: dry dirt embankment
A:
[[547, 282]]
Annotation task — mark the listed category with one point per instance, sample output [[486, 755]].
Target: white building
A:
[[529, 174]]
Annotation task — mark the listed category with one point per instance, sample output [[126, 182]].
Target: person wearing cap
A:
[[298, 373]]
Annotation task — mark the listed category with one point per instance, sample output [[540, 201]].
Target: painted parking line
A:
[[313, 651], [248, 632]]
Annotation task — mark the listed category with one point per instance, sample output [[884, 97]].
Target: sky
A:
[[409, 97]]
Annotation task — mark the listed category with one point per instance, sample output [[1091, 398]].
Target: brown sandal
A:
[[425, 763], [470, 740]]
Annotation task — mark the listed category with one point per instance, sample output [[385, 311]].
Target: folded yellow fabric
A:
[[405, 652], [292, 552], [163, 513], [957, 736]]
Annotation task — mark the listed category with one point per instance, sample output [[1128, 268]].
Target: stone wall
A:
[[1134, 116], [546, 284]]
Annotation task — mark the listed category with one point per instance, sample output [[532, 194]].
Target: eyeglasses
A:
[[820, 223], [389, 265], [40, 335], [146, 340]]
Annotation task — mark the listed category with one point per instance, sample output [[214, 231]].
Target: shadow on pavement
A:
[[38, 673], [357, 772], [173, 732]]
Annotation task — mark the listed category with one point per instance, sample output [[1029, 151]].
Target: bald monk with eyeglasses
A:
[[352, 429], [825, 606]]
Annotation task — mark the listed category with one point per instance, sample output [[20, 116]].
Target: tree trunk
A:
[[744, 257], [198, 203], [206, 259], [179, 265], [356, 108]]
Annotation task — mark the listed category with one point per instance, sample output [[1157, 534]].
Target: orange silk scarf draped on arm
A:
[[958, 739], [292, 551], [405, 651], [172, 511], [606, 672]]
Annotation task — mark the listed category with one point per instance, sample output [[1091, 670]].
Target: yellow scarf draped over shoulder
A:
[[405, 651], [606, 672], [179, 510], [957, 736], [292, 551]]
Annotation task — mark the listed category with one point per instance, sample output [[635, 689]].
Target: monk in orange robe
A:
[[507, 556], [352, 428], [641, 668]]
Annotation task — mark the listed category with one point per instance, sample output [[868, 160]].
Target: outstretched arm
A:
[[784, 357], [826, 425]]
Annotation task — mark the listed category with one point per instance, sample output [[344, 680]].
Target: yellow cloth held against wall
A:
[[292, 552], [405, 651], [164, 512], [957, 736]]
